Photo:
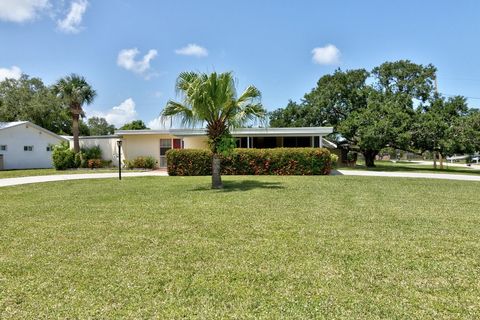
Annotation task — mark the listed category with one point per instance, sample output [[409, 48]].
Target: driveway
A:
[[399, 174], [62, 177]]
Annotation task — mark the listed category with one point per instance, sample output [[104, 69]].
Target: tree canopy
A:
[[29, 99], [134, 125], [394, 105], [100, 127]]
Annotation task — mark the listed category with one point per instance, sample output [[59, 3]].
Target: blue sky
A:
[[132, 51]]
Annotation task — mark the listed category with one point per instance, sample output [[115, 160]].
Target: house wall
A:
[[26, 135], [143, 145], [195, 142], [108, 145]]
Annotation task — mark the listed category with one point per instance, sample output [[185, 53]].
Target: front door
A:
[[165, 145]]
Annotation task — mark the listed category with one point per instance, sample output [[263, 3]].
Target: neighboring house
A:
[[156, 143], [24, 145]]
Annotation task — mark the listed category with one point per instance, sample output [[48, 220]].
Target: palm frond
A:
[[250, 94], [179, 111]]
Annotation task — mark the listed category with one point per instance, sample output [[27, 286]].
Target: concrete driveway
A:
[[398, 174], [63, 177]]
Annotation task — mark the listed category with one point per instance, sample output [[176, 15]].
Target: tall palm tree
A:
[[212, 100], [75, 91]]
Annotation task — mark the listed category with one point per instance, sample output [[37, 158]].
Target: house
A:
[[24, 145], [156, 143]]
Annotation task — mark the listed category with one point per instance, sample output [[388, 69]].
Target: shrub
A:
[[146, 162], [78, 160], [92, 153], [63, 157], [280, 161], [94, 163], [106, 163]]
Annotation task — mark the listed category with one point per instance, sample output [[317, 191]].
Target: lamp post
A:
[[119, 144]]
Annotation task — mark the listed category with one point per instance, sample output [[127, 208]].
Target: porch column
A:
[[320, 141], [248, 142]]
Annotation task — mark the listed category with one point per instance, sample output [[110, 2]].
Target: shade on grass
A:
[[265, 247]]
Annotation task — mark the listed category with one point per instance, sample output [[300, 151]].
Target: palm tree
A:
[[212, 100], [75, 91]]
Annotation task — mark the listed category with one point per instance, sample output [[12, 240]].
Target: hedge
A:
[[142, 162], [278, 161]]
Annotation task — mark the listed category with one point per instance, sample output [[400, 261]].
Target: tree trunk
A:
[[434, 159], [369, 156], [216, 177], [75, 131], [441, 160]]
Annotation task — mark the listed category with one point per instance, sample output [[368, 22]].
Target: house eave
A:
[[241, 132]]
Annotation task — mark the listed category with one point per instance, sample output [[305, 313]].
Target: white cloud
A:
[[169, 122], [126, 60], [22, 10], [13, 73], [192, 50], [119, 115], [71, 22], [157, 124], [326, 55]]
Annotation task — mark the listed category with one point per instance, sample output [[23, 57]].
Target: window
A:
[[28, 148], [165, 145], [49, 148], [3, 147]]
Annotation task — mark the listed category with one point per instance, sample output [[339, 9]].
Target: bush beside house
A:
[[142, 162], [281, 161], [65, 158]]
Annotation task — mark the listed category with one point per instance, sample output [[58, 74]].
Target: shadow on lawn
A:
[[244, 185]]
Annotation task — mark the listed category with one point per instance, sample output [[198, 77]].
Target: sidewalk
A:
[[63, 177]]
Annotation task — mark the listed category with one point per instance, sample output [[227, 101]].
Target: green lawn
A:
[[45, 172], [333, 247], [414, 167]]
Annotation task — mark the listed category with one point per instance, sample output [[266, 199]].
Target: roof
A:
[[110, 136], [8, 125], [240, 132]]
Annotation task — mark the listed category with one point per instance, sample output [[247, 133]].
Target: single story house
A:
[[24, 145], [156, 143]]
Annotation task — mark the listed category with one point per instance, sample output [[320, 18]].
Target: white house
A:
[[156, 143], [24, 145]]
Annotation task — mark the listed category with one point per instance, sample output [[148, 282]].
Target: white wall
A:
[[26, 135], [195, 142], [108, 145]]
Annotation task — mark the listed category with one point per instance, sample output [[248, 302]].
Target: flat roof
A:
[[240, 132]]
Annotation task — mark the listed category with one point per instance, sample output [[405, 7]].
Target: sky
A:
[[131, 52]]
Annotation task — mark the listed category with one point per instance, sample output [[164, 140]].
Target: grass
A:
[[413, 167], [45, 172], [333, 247]]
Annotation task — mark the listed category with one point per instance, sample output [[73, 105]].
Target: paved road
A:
[[399, 174], [62, 177]]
